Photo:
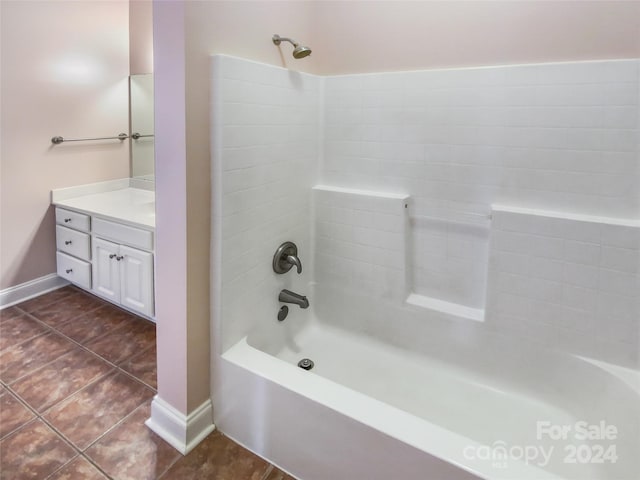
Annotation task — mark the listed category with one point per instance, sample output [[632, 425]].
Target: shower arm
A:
[[277, 39]]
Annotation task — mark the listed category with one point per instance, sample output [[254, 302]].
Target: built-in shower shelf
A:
[[576, 217], [365, 193], [454, 309]]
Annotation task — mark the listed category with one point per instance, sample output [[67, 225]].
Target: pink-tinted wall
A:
[[240, 28], [140, 36], [184, 33], [375, 36], [64, 72], [346, 37], [171, 204]]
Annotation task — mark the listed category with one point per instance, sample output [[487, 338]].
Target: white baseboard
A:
[[33, 288], [183, 432]]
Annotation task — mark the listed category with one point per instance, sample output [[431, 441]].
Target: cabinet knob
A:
[[67, 242], [67, 220], [69, 270], [113, 255], [119, 258]]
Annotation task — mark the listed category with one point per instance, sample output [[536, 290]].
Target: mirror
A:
[[142, 144]]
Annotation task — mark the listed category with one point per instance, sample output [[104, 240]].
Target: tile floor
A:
[[77, 376]]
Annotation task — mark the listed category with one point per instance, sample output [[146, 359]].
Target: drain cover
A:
[[306, 363]]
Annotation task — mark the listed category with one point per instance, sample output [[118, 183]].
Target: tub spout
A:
[[287, 296]]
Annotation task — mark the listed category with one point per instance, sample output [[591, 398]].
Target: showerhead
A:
[[299, 51]]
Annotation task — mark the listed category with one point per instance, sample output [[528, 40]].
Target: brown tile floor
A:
[[77, 376]]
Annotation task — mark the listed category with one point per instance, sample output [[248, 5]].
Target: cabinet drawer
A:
[[73, 242], [70, 219], [74, 270], [135, 237]]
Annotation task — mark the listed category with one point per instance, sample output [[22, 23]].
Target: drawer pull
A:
[[67, 220], [67, 242], [69, 270], [119, 258], [113, 255]]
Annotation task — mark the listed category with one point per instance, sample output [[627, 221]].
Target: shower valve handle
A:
[[286, 256], [294, 260]]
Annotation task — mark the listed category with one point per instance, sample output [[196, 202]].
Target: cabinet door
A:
[[106, 269], [136, 273]]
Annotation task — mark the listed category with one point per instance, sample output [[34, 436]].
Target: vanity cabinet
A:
[[73, 256], [123, 275], [111, 259]]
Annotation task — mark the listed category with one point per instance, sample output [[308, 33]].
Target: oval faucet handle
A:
[[286, 256], [293, 260]]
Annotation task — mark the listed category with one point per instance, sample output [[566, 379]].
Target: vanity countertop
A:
[[129, 205]]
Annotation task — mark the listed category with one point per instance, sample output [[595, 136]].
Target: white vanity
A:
[[105, 242]]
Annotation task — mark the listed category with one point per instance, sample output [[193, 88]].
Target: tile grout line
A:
[[39, 322], [55, 332], [59, 300], [98, 467], [178, 458], [40, 417], [120, 422], [114, 370], [69, 320], [113, 427], [267, 472], [131, 375], [94, 354], [87, 349], [17, 305], [62, 466], [57, 434], [19, 427], [24, 404], [82, 452], [79, 453]]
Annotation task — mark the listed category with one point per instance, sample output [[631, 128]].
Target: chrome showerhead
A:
[[299, 51]]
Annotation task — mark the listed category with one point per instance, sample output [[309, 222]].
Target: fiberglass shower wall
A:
[[265, 148], [407, 167], [549, 150]]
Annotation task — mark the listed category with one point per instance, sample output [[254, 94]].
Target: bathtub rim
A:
[[407, 428]]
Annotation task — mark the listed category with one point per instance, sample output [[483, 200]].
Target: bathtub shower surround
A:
[[267, 143], [558, 137], [360, 241], [467, 235], [570, 282]]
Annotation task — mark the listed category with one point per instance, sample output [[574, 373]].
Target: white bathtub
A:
[[442, 402]]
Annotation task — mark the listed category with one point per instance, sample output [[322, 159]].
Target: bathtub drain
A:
[[306, 363]]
